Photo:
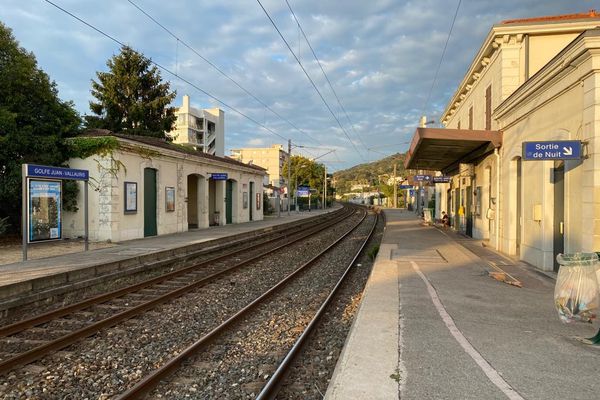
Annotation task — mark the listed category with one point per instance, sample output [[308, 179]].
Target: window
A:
[[488, 108]]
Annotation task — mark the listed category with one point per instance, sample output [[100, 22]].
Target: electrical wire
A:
[[169, 71], [324, 74], [214, 66], [310, 79], [441, 59]]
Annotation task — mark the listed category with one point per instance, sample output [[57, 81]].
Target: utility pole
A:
[[325, 188], [289, 175], [395, 189]]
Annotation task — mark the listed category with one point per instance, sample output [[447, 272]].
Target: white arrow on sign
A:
[[568, 151]]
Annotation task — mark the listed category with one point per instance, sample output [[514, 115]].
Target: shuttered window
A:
[[488, 108]]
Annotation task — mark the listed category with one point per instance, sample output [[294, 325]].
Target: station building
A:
[[535, 79], [148, 187]]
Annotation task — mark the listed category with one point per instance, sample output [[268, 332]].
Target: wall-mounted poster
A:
[[130, 197], [245, 200], [170, 198], [45, 198], [258, 201]]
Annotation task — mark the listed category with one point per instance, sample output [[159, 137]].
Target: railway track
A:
[[257, 319], [33, 338], [225, 285]]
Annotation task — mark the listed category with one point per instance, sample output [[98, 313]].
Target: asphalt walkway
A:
[[434, 325]]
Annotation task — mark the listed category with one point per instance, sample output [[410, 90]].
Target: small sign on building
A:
[[441, 179], [552, 150], [218, 176]]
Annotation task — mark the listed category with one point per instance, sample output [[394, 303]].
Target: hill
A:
[[371, 174]]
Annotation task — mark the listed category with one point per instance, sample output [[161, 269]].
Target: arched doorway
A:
[[150, 226]]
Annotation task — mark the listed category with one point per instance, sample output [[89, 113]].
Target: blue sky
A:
[[380, 57]]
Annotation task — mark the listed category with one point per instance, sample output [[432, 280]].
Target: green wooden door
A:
[[149, 202], [229, 202], [251, 200]]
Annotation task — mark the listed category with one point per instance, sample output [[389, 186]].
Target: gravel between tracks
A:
[[113, 360]]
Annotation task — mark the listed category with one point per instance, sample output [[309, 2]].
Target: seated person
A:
[[445, 220]]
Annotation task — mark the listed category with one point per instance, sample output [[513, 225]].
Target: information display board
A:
[[43, 210]]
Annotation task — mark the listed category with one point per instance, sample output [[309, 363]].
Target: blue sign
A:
[[43, 171], [220, 176], [44, 208], [303, 191], [441, 179], [423, 178], [552, 150], [406, 186]]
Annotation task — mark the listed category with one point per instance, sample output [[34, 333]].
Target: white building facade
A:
[[532, 80], [148, 187], [203, 130]]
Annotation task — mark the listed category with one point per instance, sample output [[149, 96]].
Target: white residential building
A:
[[202, 129]]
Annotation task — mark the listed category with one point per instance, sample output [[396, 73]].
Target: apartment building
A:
[[532, 80], [271, 158], [202, 129]]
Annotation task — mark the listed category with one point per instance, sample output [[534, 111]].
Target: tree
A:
[[132, 97], [33, 122], [306, 172]]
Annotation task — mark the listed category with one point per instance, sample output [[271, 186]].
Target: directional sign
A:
[[220, 176], [412, 192], [44, 171], [441, 179], [302, 191], [552, 150], [423, 178], [406, 186]]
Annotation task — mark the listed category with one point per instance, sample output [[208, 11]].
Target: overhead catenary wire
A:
[[220, 70], [437, 71], [324, 74], [310, 79], [168, 71]]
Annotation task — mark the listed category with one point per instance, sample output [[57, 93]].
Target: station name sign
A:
[[42, 171], [406, 186], [552, 150], [220, 176]]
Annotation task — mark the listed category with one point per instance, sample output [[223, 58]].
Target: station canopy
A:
[[440, 149]]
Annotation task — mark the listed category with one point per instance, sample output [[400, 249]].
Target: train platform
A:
[[433, 324], [32, 280]]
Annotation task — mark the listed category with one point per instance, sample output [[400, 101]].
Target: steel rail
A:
[[152, 380], [66, 340], [19, 326], [271, 389]]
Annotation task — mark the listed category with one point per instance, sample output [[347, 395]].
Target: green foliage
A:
[[372, 253], [305, 172], [267, 208], [132, 97], [84, 147], [33, 122]]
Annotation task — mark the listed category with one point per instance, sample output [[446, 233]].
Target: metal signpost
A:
[[552, 150], [42, 202]]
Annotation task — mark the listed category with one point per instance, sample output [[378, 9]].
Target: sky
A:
[[380, 57]]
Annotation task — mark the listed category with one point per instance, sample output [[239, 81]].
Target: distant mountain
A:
[[369, 173]]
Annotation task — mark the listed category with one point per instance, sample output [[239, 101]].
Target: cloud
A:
[[380, 57]]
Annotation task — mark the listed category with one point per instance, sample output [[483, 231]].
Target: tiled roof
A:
[[153, 141], [553, 18]]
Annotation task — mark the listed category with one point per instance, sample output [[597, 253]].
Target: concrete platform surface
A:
[[434, 325], [39, 275]]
